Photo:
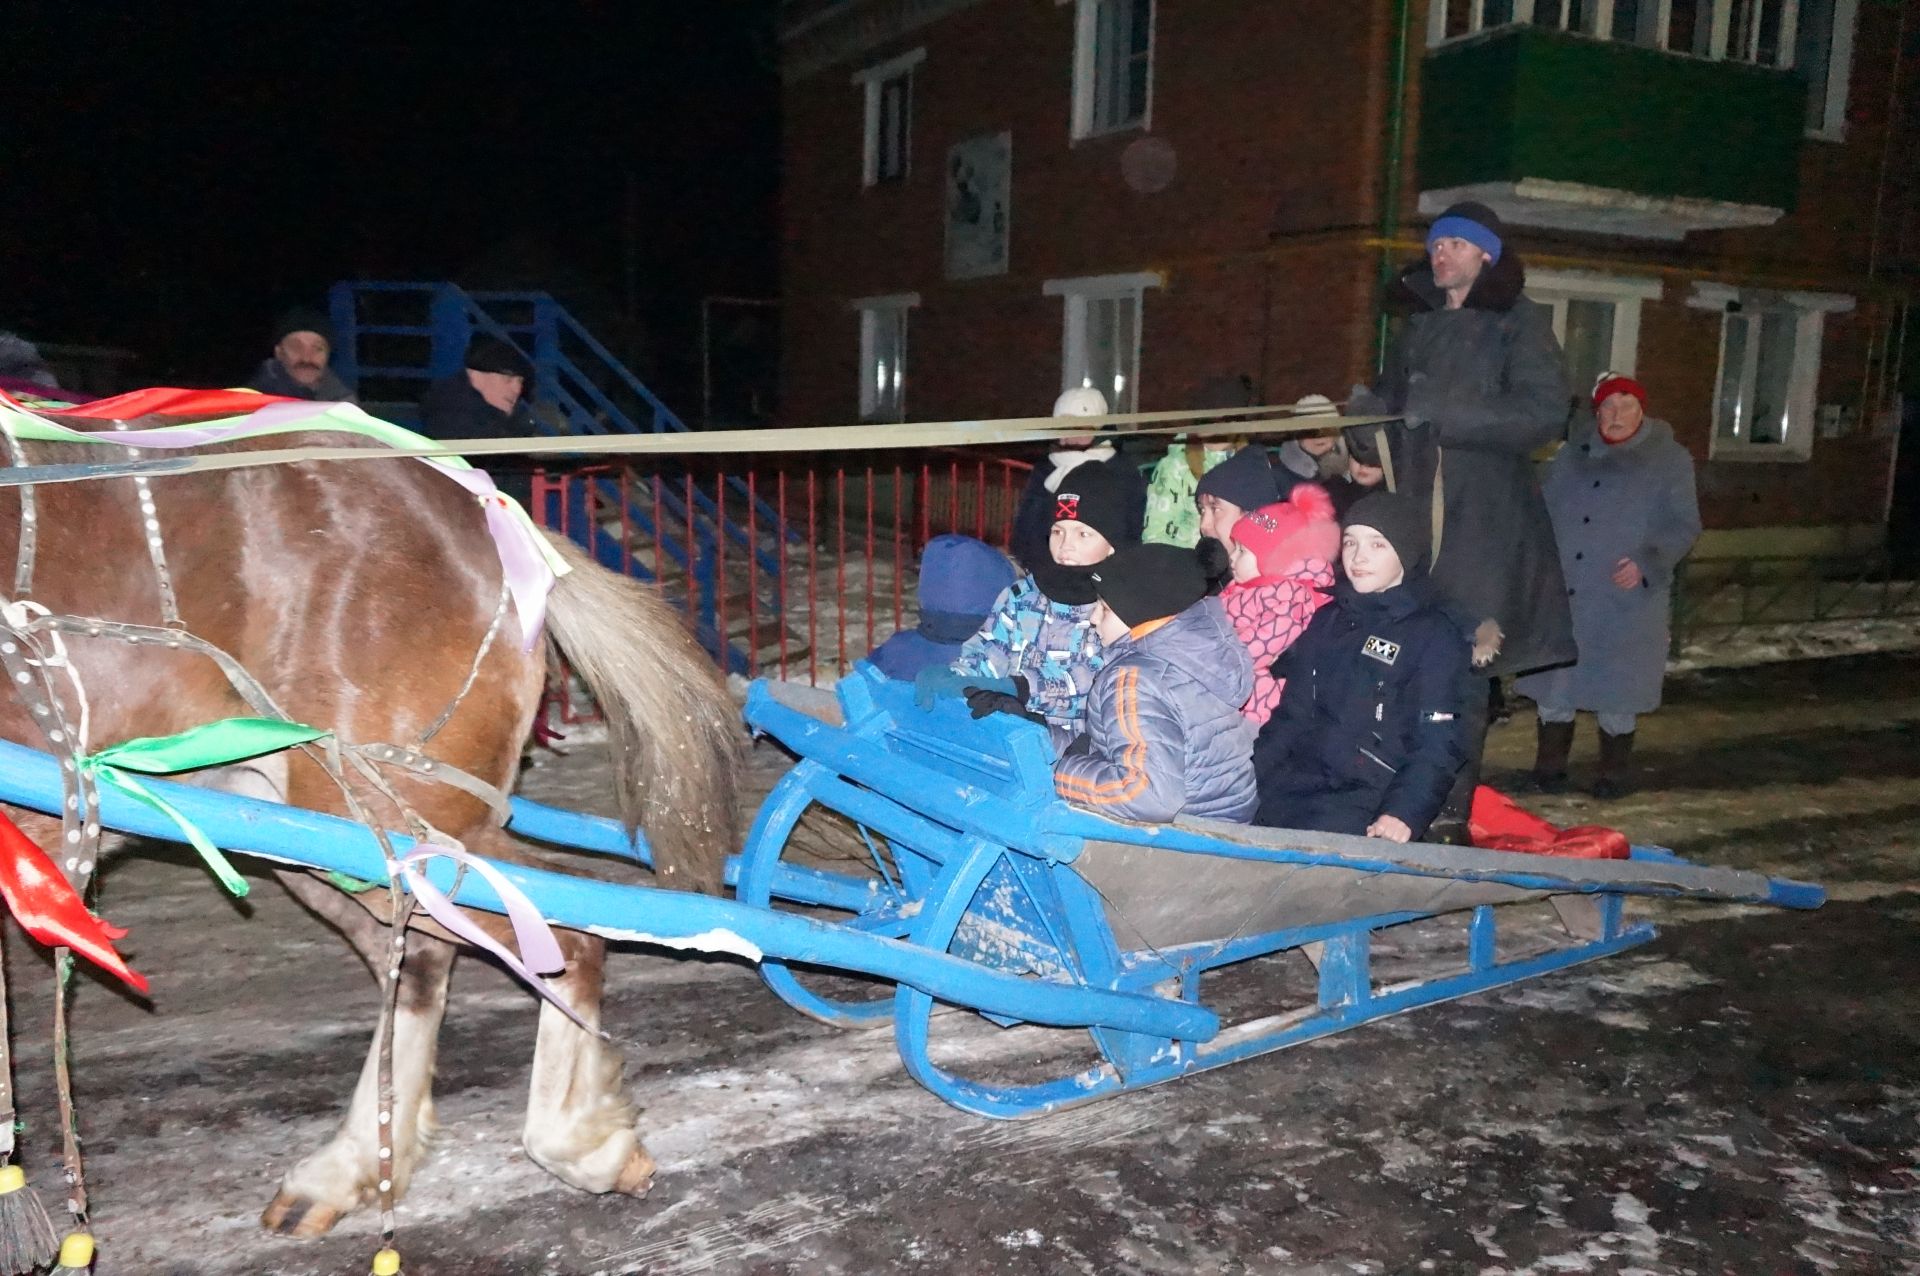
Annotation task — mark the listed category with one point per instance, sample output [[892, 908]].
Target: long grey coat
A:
[[1484, 387], [1626, 500]]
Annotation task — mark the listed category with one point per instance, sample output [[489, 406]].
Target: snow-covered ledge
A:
[[1600, 210]]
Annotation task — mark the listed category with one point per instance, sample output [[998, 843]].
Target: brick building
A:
[[986, 200]]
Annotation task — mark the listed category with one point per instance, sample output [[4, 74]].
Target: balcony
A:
[[1566, 132]]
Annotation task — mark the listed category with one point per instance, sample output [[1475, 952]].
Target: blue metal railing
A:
[[601, 397]]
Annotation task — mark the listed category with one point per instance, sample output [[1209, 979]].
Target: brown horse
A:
[[357, 594]]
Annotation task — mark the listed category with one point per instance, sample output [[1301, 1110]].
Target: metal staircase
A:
[[706, 543]]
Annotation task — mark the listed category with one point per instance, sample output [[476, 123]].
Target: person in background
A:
[[960, 581], [298, 367], [1039, 651], [1173, 518], [1367, 739], [1164, 736], [22, 369], [1625, 513], [1365, 470], [1033, 516], [483, 401], [1478, 377], [1283, 557], [1316, 458], [1244, 481]]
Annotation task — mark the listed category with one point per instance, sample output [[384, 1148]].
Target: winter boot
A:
[[1550, 756], [1616, 751]]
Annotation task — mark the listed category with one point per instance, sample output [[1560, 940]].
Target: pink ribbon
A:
[[539, 951], [528, 577]]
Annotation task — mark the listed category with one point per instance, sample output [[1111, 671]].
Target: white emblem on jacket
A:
[[1382, 650]]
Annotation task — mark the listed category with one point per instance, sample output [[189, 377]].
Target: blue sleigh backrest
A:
[[992, 776]]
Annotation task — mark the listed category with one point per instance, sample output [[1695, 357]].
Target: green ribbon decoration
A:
[[211, 744]]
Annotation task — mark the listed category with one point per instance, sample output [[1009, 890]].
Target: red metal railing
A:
[[816, 561]]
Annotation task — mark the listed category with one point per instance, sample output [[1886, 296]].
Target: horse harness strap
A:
[[249, 689], [29, 518]]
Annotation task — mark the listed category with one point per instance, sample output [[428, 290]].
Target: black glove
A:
[[982, 701]]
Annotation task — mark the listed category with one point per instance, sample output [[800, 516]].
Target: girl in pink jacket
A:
[[1283, 557]]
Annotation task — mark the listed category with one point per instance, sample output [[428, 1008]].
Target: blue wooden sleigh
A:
[[981, 890]]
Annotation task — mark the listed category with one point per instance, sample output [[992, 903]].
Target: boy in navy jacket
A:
[[1367, 739]]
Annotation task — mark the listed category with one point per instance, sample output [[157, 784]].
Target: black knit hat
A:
[[1099, 494], [490, 354], [1151, 582], [1245, 479], [1400, 519], [302, 319], [1363, 443]]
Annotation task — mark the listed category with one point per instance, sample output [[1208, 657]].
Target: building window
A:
[[883, 356], [1597, 319], [1769, 378], [886, 145], [1101, 344], [1824, 53], [1112, 65]]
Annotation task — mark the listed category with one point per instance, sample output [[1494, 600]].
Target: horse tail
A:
[[674, 730]]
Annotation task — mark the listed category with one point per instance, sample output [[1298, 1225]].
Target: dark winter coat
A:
[[271, 377], [1612, 501], [1164, 732], [1483, 387], [1369, 724], [452, 409]]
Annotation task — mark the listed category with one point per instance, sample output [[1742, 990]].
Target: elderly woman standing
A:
[[1624, 513]]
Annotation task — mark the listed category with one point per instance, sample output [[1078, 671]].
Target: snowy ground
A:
[[1741, 1096]]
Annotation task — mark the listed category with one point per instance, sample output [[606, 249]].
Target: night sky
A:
[[178, 174]]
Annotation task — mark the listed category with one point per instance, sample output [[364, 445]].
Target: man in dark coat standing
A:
[[298, 367], [1480, 380], [483, 401]]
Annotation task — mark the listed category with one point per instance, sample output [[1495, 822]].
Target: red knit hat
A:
[[1613, 383], [1285, 534]]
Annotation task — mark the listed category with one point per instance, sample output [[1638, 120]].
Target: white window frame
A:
[[1659, 17], [1086, 22], [1811, 310], [1075, 294], [1833, 121], [1555, 288], [893, 307], [870, 81]]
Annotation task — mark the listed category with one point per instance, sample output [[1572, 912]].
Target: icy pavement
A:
[[1741, 1096]]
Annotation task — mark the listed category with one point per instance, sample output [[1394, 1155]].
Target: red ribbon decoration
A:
[[50, 909]]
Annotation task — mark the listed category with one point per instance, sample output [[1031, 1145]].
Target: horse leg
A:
[[579, 1118], [344, 1174]]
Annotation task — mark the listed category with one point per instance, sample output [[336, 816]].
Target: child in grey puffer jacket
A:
[[1164, 731]]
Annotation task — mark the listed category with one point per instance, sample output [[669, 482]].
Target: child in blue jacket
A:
[[1039, 650], [1367, 739]]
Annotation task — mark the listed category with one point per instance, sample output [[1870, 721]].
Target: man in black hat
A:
[[297, 368], [1480, 379], [483, 401]]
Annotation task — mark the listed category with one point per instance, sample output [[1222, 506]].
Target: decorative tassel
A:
[[27, 1239], [76, 1255], [387, 1263]]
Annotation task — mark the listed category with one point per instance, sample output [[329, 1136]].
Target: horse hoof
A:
[[298, 1217], [636, 1178]]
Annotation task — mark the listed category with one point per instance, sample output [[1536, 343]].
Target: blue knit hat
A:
[[1475, 223], [960, 580]]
